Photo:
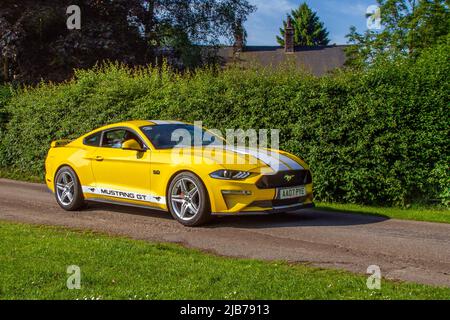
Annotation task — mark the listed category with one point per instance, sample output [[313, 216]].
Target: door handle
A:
[[99, 158]]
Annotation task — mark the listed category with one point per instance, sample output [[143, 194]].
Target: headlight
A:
[[230, 175]]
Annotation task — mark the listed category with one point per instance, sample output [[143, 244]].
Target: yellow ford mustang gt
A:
[[146, 164]]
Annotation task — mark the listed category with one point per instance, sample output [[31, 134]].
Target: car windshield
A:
[[169, 136]]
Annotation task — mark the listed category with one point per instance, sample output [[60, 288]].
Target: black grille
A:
[[291, 178]]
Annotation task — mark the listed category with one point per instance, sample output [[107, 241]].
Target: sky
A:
[[338, 15]]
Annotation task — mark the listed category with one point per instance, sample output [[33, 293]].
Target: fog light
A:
[[237, 192]]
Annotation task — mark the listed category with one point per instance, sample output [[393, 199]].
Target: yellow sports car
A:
[[165, 165]]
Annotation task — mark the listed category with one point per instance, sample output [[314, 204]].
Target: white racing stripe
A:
[[271, 159], [124, 194], [294, 165]]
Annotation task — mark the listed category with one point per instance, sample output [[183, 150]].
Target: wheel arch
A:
[[65, 165], [210, 198], [78, 200]]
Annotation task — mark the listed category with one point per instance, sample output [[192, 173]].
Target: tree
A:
[[36, 44], [185, 24], [408, 27], [308, 29]]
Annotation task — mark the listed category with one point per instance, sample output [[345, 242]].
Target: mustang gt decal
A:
[[124, 194]]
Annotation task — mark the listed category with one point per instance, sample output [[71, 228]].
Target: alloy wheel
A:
[[185, 198], [65, 188]]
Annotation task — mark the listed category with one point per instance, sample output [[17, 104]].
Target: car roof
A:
[[158, 122], [139, 123], [133, 124]]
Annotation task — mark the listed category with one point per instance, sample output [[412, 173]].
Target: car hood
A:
[[240, 158]]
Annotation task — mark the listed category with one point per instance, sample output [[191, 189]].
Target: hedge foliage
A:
[[5, 96], [378, 136]]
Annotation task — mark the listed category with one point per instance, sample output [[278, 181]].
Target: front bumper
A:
[[226, 200], [274, 210]]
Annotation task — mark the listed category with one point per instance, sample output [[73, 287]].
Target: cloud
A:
[[268, 7], [348, 9], [358, 10]]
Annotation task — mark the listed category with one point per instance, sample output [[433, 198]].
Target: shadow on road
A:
[[305, 218], [97, 206]]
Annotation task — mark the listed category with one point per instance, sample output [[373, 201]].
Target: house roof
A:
[[317, 60]]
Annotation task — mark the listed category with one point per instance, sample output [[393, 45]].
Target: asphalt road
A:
[[404, 250]]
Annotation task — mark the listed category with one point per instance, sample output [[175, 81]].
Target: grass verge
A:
[[34, 260], [431, 214]]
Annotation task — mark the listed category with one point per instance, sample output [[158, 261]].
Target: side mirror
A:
[[132, 145]]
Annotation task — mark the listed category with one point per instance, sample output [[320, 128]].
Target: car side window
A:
[[115, 138], [93, 140]]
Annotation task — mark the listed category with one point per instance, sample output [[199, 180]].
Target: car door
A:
[[121, 174]]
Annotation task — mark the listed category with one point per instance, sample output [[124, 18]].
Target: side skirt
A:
[[119, 203]]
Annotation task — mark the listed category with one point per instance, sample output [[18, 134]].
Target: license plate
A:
[[290, 193]]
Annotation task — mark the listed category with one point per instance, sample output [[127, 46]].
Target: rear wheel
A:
[[68, 191], [188, 200]]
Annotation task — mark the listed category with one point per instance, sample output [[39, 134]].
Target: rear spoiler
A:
[[59, 143]]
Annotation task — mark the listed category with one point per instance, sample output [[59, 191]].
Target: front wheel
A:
[[68, 191], [188, 200]]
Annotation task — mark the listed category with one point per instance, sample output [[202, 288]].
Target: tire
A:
[[188, 200], [68, 191]]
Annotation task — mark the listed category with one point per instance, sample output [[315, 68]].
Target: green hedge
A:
[[375, 137], [5, 96]]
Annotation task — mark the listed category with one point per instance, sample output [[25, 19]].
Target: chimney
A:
[[238, 45], [289, 37]]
